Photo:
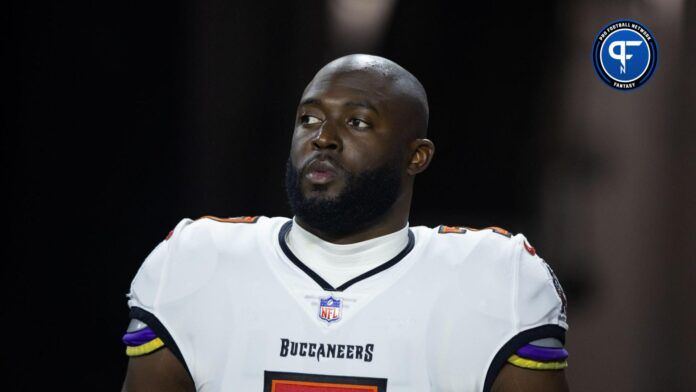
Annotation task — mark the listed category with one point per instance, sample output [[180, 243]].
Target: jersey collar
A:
[[323, 283]]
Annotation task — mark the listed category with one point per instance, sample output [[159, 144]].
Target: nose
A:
[[327, 138]]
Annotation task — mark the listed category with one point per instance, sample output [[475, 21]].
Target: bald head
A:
[[388, 80], [359, 141]]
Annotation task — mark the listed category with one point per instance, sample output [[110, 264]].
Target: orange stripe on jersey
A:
[[495, 229], [451, 229], [461, 230], [309, 386], [500, 231], [237, 219]]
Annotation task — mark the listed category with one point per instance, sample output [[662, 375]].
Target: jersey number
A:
[[301, 382]]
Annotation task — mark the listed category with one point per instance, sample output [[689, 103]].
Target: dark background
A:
[[124, 117]]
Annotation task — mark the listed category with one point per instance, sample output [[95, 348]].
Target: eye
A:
[[358, 123], [309, 120]]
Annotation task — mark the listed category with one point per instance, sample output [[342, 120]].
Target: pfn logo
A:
[[624, 54], [621, 55]]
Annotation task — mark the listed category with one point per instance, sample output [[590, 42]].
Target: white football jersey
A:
[[245, 314]]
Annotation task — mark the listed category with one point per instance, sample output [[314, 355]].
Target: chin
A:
[[320, 196], [322, 191]]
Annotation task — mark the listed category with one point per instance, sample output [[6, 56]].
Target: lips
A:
[[321, 172]]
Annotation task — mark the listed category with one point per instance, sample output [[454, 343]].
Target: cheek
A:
[[298, 145], [361, 158], [373, 152]]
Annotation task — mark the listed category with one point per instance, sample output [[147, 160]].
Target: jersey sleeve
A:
[[173, 291], [152, 287], [540, 322], [146, 290], [540, 299], [540, 307]]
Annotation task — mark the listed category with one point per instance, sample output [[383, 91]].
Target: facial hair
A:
[[366, 198]]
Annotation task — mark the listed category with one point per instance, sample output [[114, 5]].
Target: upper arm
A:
[[533, 359], [155, 372], [515, 379]]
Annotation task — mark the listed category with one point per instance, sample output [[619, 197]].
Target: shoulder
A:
[[491, 242], [192, 253], [459, 243], [508, 264], [500, 276], [211, 227], [222, 233], [537, 294]]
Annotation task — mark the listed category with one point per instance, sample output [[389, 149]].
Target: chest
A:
[[417, 332]]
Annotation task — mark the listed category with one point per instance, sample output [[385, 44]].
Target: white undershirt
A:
[[338, 264]]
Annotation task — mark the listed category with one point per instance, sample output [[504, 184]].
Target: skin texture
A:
[[360, 112], [159, 371], [515, 379]]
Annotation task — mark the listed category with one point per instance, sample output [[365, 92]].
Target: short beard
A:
[[366, 198]]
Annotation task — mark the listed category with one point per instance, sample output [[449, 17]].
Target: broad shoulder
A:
[[460, 243], [495, 263], [211, 231], [193, 253]]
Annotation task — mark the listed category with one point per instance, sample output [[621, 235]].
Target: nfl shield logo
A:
[[330, 309]]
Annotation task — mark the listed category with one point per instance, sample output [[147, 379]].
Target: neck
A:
[[393, 220]]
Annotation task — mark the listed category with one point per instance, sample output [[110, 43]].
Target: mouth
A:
[[320, 172]]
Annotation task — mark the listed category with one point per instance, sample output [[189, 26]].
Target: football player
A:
[[346, 296]]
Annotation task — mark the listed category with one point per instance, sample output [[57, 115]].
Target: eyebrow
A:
[[362, 104]]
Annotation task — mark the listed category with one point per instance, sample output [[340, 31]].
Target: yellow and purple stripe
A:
[[141, 342], [540, 358]]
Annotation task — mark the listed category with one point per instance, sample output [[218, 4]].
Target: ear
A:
[[422, 151]]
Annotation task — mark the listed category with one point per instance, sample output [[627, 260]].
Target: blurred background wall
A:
[[124, 117]]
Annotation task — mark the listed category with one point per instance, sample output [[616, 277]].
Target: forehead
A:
[[337, 87]]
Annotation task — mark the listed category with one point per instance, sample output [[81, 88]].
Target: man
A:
[[346, 296]]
